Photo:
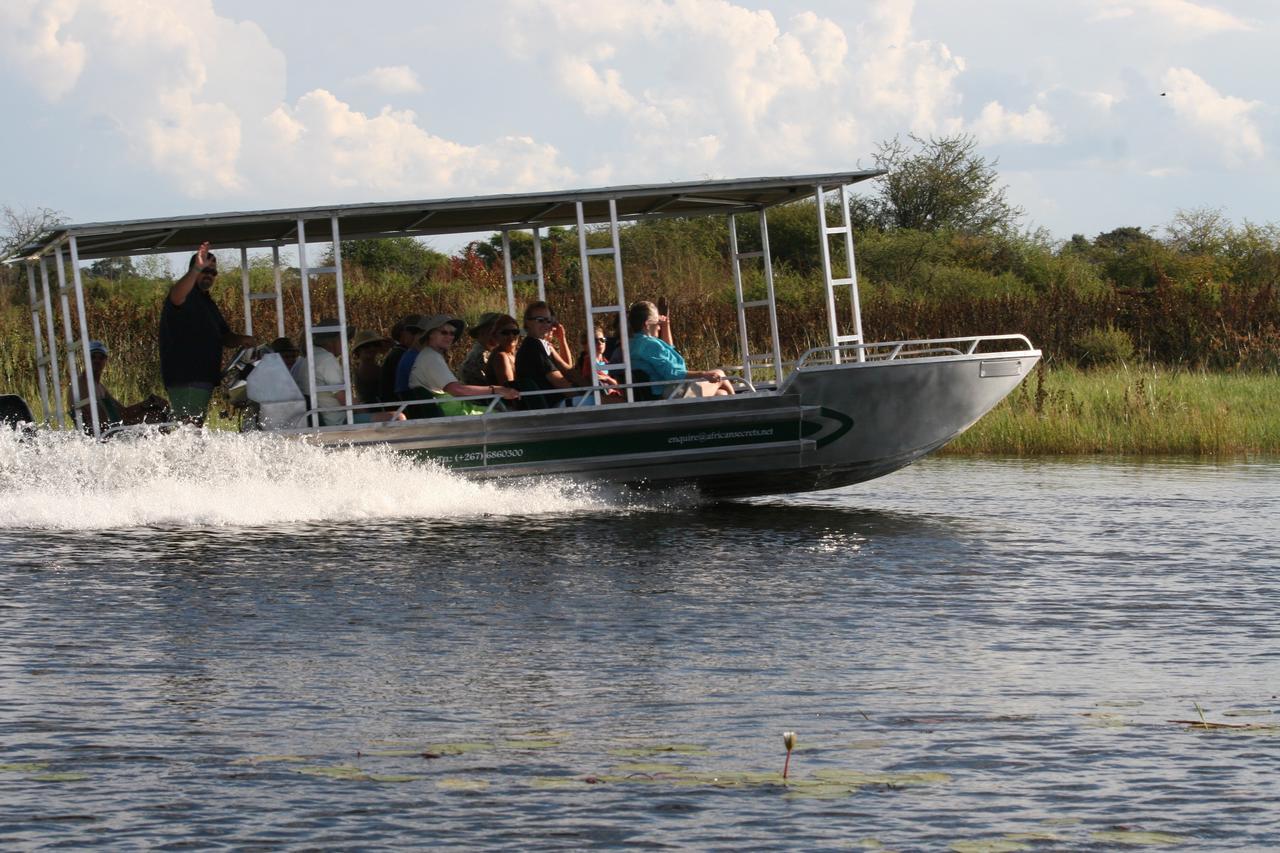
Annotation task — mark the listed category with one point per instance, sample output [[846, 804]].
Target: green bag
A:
[[452, 406]]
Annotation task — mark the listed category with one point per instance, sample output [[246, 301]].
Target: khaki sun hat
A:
[[486, 321], [442, 320], [364, 337]]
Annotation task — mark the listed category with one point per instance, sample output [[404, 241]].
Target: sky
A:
[[1102, 113]]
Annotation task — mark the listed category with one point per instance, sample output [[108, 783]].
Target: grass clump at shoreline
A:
[[1131, 411]]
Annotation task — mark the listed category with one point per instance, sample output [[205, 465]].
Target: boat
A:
[[843, 412]]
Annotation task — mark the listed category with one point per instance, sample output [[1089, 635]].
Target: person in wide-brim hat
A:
[[367, 349], [473, 366], [431, 371]]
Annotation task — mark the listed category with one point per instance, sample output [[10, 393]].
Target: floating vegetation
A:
[[1120, 703], [348, 773], [1105, 720], [69, 776], [458, 783], [1202, 723], [28, 767], [989, 845], [1248, 712], [1138, 838], [529, 743]]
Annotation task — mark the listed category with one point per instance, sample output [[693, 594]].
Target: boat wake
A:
[[63, 481]]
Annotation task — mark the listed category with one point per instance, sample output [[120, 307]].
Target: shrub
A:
[[1104, 345]]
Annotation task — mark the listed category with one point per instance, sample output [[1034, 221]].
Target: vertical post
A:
[[820, 198], [60, 413], [244, 285], [537, 265], [854, 301], [767, 259], [275, 276], [347, 396], [42, 365], [506, 271], [70, 339], [84, 341], [622, 299], [585, 261], [736, 268], [306, 320]]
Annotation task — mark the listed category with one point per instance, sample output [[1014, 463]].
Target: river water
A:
[[230, 642]]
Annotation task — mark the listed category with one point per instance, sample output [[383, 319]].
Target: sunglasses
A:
[[543, 319], [446, 330], [600, 340], [209, 271], [510, 333]]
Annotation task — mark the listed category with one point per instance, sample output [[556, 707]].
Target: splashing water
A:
[[64, 481]]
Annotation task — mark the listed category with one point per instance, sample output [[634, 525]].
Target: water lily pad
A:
[[395, 753], [459, 748], [818, 790], [1247, 712], [1120, 703], [267, 759], [660, 749], [339, 771], [1104, 720], [1138, 838], [25, 767], [865, 744], [1061, 821], [392, 777], [1033, 836], [988, 845], [456, 783], [69, 776]]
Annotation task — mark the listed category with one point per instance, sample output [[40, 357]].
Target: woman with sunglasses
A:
[[543, 362], [501, 367], [431, 372]]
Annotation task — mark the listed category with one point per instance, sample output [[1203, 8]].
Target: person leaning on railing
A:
[[193, 334], [652, 352], [431, 372]]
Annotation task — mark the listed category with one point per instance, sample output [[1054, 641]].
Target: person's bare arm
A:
[[231, 339], [459, 389], [182, 287]]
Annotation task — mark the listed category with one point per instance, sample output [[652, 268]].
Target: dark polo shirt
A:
[[191, 340]]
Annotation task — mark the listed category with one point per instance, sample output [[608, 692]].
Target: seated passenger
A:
[[431, 372], [367, 351], [472, 368], [404, 333], [592, 360], [285, 348], [501, 369], [542, 361], [327, 346], [659, 359], [111, 412]]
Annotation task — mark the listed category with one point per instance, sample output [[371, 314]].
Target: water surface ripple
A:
[[998, 646]]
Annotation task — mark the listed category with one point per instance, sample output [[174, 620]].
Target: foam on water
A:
[[57, 480]]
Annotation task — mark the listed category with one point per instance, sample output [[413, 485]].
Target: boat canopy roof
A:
[[265, 228]]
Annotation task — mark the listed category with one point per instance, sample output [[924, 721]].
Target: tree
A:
[[21, 225], [404, 255], [935, 184], [114, 269]]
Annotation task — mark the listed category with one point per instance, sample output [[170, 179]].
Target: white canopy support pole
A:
[[244, 285], [59, 413], [308, 345], [820, 200], [42, 362], [744, 342], [537, 265], [619, 308], [855, 302], [70, 339], [275, 276], [347, 396], [506, 271], [621, 303], [767, 258], [91, 380]]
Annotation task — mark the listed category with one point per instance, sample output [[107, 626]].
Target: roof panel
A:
[[435, 216]]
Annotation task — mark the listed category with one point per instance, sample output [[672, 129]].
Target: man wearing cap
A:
[[404, 333], [111, 412], [193, 334], [431, 372]]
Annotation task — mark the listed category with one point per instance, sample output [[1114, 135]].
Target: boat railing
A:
[[493, 402], [846, 353]]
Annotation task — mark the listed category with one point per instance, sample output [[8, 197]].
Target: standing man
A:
[[193, 334]]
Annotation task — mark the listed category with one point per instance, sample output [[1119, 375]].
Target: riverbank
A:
[[1130, 410]]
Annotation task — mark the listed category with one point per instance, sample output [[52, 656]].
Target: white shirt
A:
[[431, 372], [328, 372]]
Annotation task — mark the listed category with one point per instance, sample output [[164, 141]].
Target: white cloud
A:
[[996, 124], [1182, 15], [35, 46], [1223, 119], [389, 80]]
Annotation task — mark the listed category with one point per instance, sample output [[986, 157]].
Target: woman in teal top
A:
[[653, 352]]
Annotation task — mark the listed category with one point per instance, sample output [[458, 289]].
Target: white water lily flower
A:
[[789, 740]]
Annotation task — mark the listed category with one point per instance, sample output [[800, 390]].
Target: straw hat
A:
[[364, 337]]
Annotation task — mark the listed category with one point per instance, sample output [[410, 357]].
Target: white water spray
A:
[[63, 481]]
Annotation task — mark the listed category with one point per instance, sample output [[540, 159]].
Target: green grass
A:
[[1132, 411]]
